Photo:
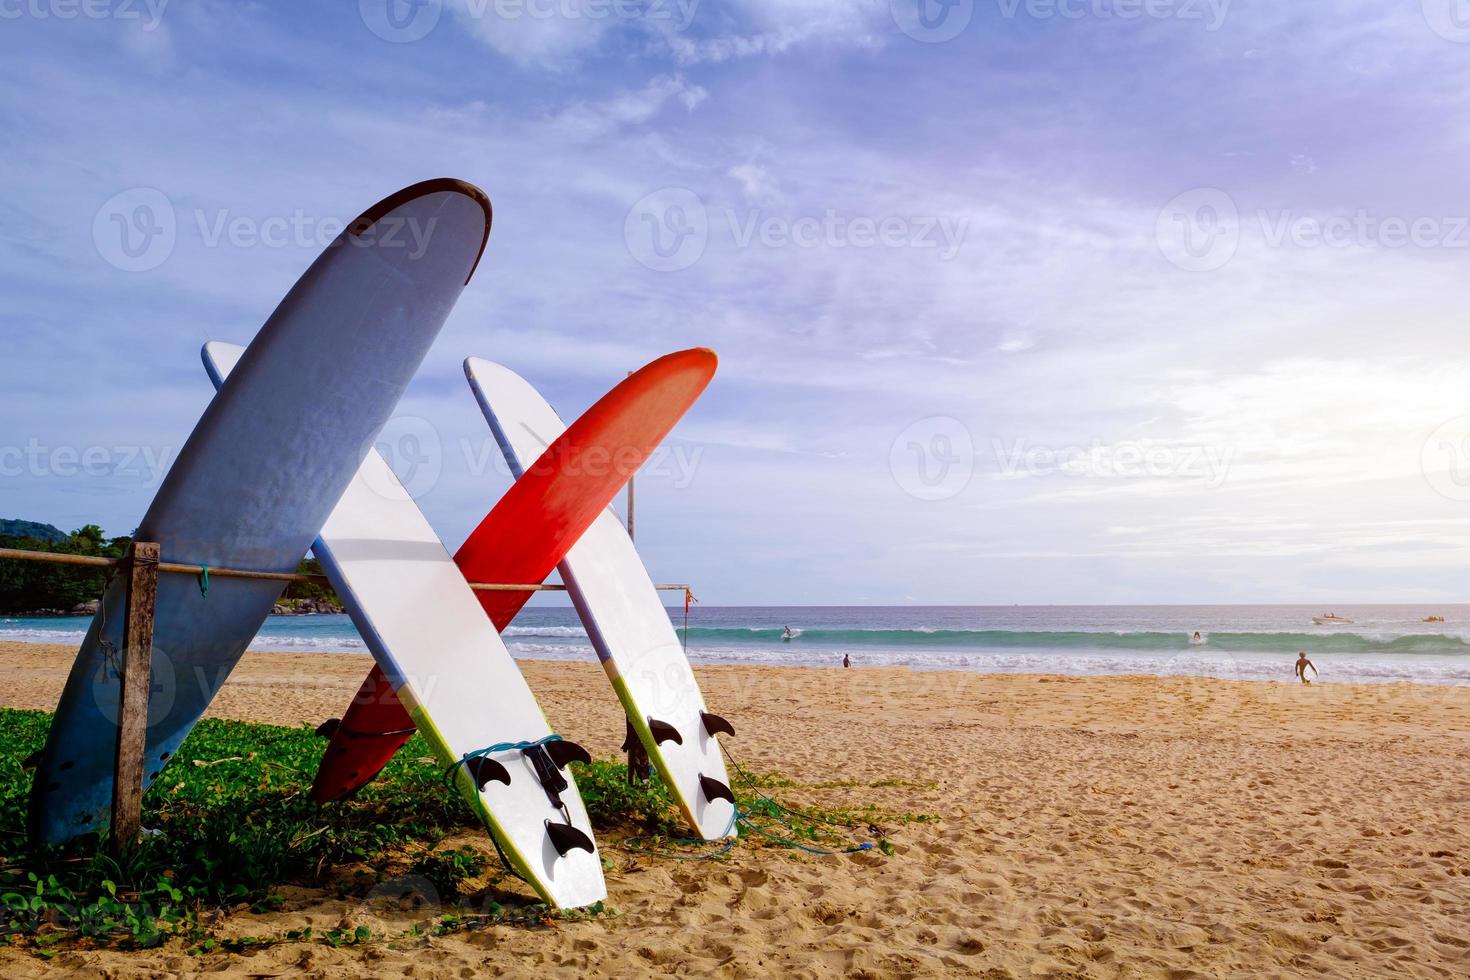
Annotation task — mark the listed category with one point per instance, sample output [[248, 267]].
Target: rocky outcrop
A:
[[304, 607]]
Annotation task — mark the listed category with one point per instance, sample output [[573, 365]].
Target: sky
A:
[[1016, 301]]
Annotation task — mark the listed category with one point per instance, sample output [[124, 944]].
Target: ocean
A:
[[1384, 643]]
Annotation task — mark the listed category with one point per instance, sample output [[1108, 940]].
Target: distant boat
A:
[[1433, 619], [1328, 619]]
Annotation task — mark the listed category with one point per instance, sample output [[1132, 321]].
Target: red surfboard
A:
[[525, 536]]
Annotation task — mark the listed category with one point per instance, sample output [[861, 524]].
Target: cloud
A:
[[590, 120], [540, 35], [774, 27], [756, 183]]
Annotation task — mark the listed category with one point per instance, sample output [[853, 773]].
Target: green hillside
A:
[[30, 529]]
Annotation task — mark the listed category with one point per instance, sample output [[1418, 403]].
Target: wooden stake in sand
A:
[[137, 680]]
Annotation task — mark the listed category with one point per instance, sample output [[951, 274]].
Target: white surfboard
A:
[[625, 619], [452, 672]]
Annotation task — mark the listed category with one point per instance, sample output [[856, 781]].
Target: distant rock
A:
[[88, 608], [30, 529], [304, 607]]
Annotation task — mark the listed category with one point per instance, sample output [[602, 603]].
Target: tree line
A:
[[31, 586]]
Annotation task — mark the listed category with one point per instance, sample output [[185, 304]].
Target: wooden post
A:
[[136, 682]]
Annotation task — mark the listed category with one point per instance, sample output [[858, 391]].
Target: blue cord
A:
[[498, 747]]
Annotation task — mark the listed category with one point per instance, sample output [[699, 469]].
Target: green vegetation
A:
[[311, 590], [29, 586], [30, 529], [233, 825], [26, 586]]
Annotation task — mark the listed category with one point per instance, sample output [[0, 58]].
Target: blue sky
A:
[[1017, 301]]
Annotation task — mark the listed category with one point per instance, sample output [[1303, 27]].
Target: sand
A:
[[1088, 827]]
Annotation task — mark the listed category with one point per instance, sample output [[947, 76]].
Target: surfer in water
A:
[[1302, 663], [786, 635]]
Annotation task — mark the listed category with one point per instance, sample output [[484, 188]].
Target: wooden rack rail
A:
[[173, 567], [141, 568]]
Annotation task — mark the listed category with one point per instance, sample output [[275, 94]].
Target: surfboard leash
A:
[[745, 817]]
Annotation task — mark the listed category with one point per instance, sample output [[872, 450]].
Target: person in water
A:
[[1302, 663], [786, 634], [846, 661], [1196, 636]]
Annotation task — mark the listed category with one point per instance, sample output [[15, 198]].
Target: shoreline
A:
[[312, 660]]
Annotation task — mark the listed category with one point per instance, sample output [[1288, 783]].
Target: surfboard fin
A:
[[547, 772], [563, 752], [329, 727], [483, 770], [565, 837], [714, 724], [714, 789], [664, 732]]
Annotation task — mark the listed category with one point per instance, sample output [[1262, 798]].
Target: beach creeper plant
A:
[[230, 823]]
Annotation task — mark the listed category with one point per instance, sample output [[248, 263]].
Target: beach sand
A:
[[1088, 827]]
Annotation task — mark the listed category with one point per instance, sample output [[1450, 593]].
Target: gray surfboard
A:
[[257, 478]]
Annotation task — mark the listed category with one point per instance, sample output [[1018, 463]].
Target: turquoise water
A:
[[1384, 643]]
